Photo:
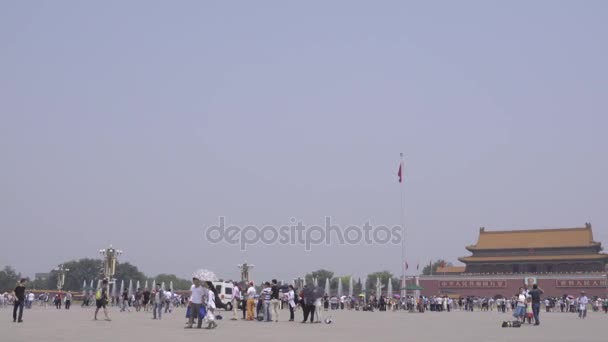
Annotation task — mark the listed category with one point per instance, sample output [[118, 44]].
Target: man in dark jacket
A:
[[19, 293]]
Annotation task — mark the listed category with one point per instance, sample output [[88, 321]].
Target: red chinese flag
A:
[[400, 174]]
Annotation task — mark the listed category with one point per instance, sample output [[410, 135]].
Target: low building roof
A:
[[535, 238], [451, 269]]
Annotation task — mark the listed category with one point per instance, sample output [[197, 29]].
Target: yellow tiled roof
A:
[[535, 238]]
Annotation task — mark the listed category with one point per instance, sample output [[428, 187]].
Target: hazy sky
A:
[[138, 123]]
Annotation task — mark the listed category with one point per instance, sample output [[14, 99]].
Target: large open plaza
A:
[[77, 324]]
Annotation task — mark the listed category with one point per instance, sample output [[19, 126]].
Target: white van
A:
[[224, 290]]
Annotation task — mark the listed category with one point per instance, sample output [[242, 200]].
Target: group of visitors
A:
[[266, 305]]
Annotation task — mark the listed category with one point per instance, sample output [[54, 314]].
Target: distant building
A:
[[561, 261], [536, 251]]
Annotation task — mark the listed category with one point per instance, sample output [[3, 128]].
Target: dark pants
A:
[[195, 310], [536, 311], [19, 303], [68, 303], [291, 313], [309, 310], [244, 307]]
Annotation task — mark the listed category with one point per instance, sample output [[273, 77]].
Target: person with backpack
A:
[[101, 300]]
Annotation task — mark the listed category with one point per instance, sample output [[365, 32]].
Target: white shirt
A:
[[583, 301], [251, 292], [236, 293], [211, 299], [30, 297], [521, 300], [196, 294]]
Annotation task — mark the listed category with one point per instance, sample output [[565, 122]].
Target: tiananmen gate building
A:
[[561, 261]]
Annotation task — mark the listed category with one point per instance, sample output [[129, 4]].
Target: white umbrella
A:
[[350, 286], [327, 286], [340, 287], [204, 275], [389, 291], [378, 288]]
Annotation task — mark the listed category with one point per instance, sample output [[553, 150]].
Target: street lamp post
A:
[[109, 264], [245, 267], [61, 271]]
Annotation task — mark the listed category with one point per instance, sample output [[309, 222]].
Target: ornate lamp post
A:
[[245, 267], [109, 264], [61, 271]]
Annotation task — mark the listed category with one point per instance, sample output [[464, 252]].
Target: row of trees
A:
[[370, 282], [88, 269]]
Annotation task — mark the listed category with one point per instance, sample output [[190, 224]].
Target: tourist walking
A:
[[195, 303], [236, 299], [138, 298], [19, 301], [274, 300], [211, 305], [520, 308], [159, 297], [266, 296], [251, 293], [291, 301], [30, 300], [101, 300], [535, 294], [68, 300], [582, 305], [57, 301], [124, 301], [146, 299]]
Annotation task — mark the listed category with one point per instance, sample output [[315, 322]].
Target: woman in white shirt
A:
[[291, 301], [210, 305]]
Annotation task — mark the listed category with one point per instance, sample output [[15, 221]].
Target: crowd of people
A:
[[265, 303]]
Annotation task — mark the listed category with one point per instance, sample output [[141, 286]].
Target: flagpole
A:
[[403, 262]]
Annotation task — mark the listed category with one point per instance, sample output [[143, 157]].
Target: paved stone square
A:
[[78, 325]]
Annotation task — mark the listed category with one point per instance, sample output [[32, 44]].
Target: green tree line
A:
[[89, 269]]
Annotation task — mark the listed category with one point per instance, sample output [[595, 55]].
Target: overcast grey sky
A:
[[138, 123]]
